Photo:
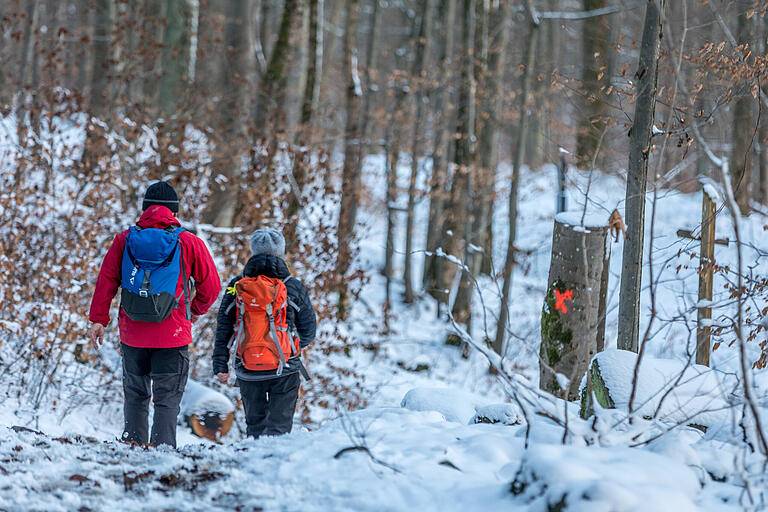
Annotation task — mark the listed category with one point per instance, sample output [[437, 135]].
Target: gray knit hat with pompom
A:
[[268, 241]]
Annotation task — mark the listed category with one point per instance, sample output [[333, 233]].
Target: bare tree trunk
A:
[[332, 33], [27, 63], [232, 141], [264, 29], [174, 83], [433, 278], [763, 162], [421, 67], [272, 90], [594, 79], [762, 192], [459, 219], [350, 183], [573, 317], [370, 71], [314, 66], [743, 125], [6, 83], [519, 152], [637, 178], [489, 143]]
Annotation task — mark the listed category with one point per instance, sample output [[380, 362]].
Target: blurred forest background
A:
[[264, 111]]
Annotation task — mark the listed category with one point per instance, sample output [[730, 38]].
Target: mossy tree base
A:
[[573, 315], [597, 390]]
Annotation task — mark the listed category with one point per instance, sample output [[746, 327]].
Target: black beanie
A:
[[161, 193]]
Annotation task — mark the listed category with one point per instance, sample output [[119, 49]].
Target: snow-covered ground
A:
[[423, 441]]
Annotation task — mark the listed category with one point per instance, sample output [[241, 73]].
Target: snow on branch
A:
[[578, 15]]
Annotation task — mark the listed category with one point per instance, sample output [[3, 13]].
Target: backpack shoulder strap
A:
[[291, 302], [187, 306]]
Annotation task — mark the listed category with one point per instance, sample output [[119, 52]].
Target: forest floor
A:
[[416, 445]]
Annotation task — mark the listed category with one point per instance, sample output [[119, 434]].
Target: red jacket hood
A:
[[157, 216]]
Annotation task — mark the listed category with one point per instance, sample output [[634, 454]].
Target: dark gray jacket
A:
[[301, 317]]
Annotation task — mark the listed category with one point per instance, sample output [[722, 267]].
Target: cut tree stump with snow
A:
[[573, 316], [671, 392], [208, 413]]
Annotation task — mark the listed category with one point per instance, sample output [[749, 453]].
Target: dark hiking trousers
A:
[[269, 404], [160, 373]]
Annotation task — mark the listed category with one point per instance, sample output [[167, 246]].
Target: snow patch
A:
[[455, 405]]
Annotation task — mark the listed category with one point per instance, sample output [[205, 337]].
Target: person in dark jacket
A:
[[155, 355], [269, 400]]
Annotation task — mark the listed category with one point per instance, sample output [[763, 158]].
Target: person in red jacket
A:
[[155, 355]]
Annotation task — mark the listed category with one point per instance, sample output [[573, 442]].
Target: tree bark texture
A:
[[458, 221], [419, 74], [490, 131], [234, 110], [637, 178], [174, 83], [314, 66], [101, 46], [743, 123], [594, 80], [519, 152], [573, 316], [350, 182], [270, 108], [433, 278]]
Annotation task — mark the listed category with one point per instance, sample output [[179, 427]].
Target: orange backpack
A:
[[262, 341]]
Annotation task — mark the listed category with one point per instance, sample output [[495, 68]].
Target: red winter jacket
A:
[[176, 330]]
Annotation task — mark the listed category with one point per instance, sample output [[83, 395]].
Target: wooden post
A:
[[573, 316], [562, 196], [706, 271]]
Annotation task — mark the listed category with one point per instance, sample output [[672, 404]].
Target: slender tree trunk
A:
[[594, 79], [27, 63], [332, 34], [421, 68], [519, 152], [762, 197], [392, 150], [265, 36], [272, 90], [370, 71], [95, 144], [154, 30], [6, 85], [350, 183], [433, 278], [314, 67], [235, 89], [174, 83], [637, 178], [459, 219], [489, 142], [743, 124]]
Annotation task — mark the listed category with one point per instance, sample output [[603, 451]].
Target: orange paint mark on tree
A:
[[560, 299]]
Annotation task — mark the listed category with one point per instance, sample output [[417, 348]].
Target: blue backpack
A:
[[152, 261]]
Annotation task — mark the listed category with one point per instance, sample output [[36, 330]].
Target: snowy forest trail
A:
[[378, 459], [429, 454]]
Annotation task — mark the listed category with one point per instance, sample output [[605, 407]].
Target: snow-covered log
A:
[[573, 316], [670, 391], [209, 413]]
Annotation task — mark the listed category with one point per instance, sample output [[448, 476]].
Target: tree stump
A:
[[573, 316]]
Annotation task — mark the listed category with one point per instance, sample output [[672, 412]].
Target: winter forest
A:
[[534, 234]]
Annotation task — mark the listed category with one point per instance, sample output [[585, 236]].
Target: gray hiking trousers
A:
[[159, 373]]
